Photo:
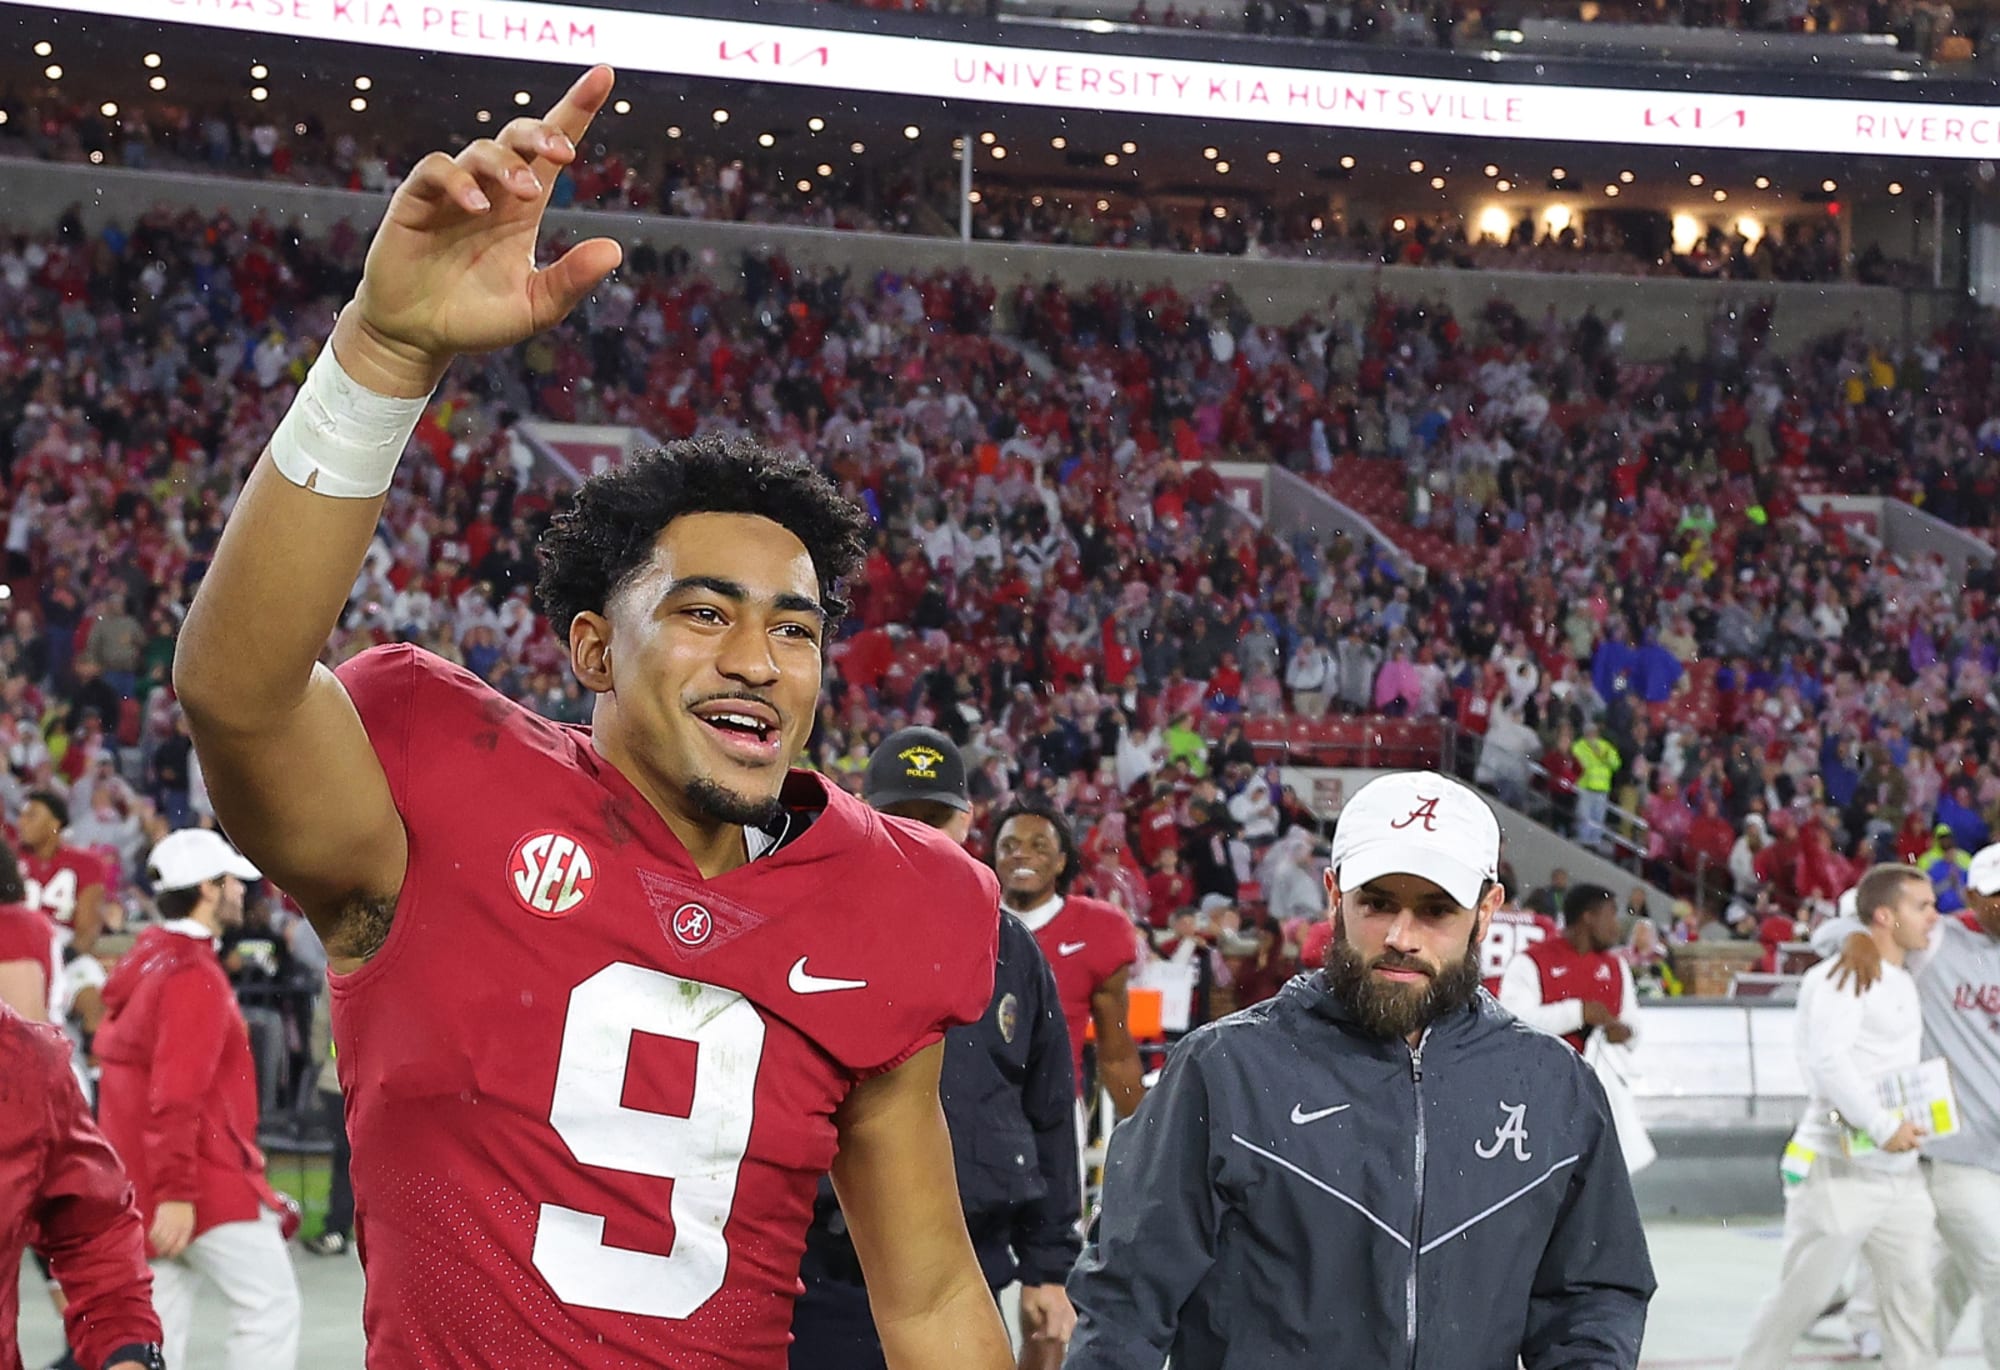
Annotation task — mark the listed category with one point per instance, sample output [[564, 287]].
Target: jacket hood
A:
[[156, 949]]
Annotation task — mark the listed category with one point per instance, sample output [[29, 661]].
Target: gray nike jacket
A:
[[1296, 1193]]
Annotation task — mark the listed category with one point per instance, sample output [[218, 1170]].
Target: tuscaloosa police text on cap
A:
[[913, 764], [1417, 823]]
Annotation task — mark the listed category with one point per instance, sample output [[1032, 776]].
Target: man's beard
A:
[[1385, 1009], [724, 805]]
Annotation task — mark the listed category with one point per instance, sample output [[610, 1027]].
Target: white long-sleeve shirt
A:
[[1846, 1043], [1521, 995]]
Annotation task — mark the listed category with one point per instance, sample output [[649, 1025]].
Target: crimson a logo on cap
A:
[[551, 874], [692, 925], [1425, 813]]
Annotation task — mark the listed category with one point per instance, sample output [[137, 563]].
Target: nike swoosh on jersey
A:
[[1070, 948], [1299, 1115], [802, 983]]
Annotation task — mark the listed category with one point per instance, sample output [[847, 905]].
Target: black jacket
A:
[[1296, 1193], [1009, 1095]]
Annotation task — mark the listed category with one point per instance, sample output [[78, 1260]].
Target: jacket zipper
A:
[[1417, 1226]]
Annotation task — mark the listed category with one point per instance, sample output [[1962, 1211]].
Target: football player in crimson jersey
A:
[[27, 947], [1510, 933], [1090, 944], [607, 1000], [64, 882]]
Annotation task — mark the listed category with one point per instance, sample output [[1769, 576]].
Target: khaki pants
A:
[[1968, 1219], [1838, 1212], [249, 1264]]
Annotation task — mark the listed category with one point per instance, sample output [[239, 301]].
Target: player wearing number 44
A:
[[608, 1000]]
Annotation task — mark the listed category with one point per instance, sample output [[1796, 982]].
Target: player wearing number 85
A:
[[607, 999]]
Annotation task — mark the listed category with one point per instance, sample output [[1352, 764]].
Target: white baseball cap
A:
[[1418, 823], [181, 860], [1983, 876]]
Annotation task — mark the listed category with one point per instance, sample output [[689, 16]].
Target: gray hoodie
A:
[[1296, 1193]]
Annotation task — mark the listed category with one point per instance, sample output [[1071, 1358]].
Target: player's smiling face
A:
[[715, 654], [1028, 857]]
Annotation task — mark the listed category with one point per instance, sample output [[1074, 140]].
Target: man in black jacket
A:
[[1009, 1099], [1379, 1167]]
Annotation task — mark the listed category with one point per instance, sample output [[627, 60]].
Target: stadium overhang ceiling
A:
[[1682, 110]]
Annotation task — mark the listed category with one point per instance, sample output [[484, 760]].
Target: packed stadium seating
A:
[[748, 186], [1057, 579]]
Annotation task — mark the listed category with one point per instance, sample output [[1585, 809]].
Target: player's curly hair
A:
[[1035, 807], [603, 539]]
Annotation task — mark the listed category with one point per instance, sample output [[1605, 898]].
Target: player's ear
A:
[[590, 651]]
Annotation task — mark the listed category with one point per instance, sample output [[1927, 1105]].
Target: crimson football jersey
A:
[[1511, 932], [590, 1093], [56, 883], [26, 934], [1086, 943]]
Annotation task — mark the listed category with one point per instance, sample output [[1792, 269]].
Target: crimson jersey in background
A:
[[56, 883], [1086, 943], [27, 934], [590, 1093], [1511, 932]]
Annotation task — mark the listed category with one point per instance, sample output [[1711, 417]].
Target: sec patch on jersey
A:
[[551, 874]]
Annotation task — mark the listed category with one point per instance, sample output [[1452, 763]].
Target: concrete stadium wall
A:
[[1664, 315]]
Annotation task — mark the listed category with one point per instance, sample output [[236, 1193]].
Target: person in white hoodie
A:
[[1852, 1186]]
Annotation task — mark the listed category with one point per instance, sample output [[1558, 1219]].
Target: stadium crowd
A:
[[755, 188], [1769, 702]]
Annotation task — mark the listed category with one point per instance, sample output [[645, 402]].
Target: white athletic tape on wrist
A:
[[340, 438]]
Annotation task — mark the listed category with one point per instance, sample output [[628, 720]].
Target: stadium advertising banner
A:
[[577, 35]]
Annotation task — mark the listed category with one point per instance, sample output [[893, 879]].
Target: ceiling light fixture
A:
[[158, 83], [358, 103], [363, 83], [766, 140], [989, 138], [1492, 170], [720, 116], [259, 72], [911, 131], [1895, 187], [816, 124], [622, 107], [1128, 148], [1347, 164], [999, 153], [53, 71], [151, 59], [44, 48], [1058, 142], [1274, 156], [521, 97], [857, 148], [1222, 167], [1763, 183], [1111, 159], [1417, 168]]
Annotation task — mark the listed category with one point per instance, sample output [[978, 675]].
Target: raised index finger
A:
[[574, 112]]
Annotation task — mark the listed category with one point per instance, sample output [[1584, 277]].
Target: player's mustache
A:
[[1390, 960]]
